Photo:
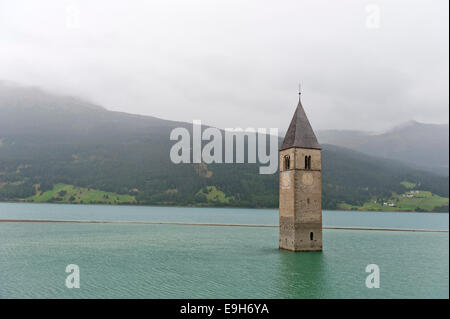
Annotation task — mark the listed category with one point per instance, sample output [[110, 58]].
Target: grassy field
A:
[[63, 193], [422, 201]]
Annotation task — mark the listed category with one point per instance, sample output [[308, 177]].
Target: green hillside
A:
[[62, 193], [60, 149], [422, 201]]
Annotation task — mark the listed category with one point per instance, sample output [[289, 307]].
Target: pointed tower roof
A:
[[300, 132]]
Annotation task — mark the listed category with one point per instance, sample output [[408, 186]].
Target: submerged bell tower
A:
[[300, 186]]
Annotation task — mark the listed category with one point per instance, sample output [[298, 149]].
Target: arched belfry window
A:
[[287, 162]]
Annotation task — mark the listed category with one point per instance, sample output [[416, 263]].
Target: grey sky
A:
[[237, 63]]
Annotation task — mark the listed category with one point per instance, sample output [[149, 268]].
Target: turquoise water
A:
[[179, 261]]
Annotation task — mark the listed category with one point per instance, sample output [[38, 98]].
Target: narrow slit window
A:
[[311, 236], [306, 162], [287, 162], [309, 162]]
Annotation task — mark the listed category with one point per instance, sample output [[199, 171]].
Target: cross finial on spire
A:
[[299, 88]]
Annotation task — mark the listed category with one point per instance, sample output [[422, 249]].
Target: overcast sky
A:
[[362, 64]]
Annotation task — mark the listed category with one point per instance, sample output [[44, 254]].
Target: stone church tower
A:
[[300, 187]]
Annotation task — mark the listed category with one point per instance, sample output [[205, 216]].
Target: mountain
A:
[[423, 146], [63, 149], [34, 111]]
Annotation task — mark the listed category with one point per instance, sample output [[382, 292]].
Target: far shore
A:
[[212, 206]]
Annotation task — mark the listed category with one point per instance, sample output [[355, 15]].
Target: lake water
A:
[[181, 261]]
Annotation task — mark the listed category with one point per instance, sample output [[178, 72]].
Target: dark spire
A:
[[300, 132]]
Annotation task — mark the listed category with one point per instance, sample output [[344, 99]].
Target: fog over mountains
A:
[[425, 146]]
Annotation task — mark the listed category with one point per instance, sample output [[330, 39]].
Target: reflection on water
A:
[[302, 274]]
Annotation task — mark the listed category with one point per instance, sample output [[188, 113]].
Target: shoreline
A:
[[218, 207], [207, 224]]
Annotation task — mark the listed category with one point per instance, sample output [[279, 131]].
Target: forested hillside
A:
[[61, 149]]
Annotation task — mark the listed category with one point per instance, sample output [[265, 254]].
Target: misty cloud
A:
[[236, 63]]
